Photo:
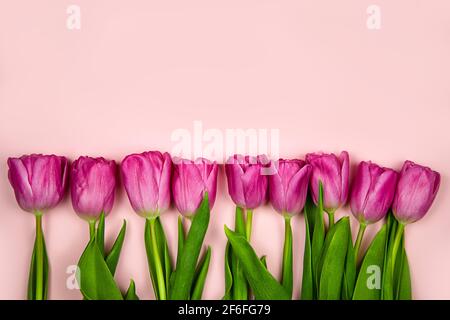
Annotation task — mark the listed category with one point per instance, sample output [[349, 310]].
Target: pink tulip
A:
[[288, 187], [247, 185], [146, 178], [39, 181], [417, 187], [93, 185], [372, 192], [191, 179], [333, 173]]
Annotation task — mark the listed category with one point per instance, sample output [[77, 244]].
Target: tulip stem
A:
[[396, 245], [92, 229], [248, 224], [330, 220], [39, 258], [160, 280], [362, 228], [287, 273]]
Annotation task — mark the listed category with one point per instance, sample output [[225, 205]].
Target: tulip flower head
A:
[[416, 189], [333, 172], [93, 185], [146, 177], [191, 180], [372, 192], [39, 181], [288, 187], [247, 185]]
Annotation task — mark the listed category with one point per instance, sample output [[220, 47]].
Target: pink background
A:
[[138, 70]]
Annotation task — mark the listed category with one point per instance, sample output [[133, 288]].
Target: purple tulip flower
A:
[[191, 179], [146, 178], [372, 192], [39, 181], [93, 185], [416, 189], [333, 172], [247, 185], [288, 187]]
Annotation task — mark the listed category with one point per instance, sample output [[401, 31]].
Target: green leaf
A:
[[404, 287], [131, 292], [185, 269], [263, 284], [100, 237], [163, 252], [368, 283], [181, 237], [228, 274], [96, 281], [307, 277], [263, 261], [113, 256], [150, 258], [32, 278], [333, 261], [318, 237], [240, 289], [350, 271], [200, 275], [287, 266], [388, 276]]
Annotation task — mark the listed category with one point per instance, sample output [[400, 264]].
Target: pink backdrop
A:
[[138, 70]]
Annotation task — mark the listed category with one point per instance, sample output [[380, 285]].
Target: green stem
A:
[[396, 245], [362, 228], [330, 220], [160, 280], [92, 229], [287, 275], [39, 258], [248, 224]]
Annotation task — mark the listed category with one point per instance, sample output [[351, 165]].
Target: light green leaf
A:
[[228, 274], [96, 281], [287, 266], [350, 271], [150, 258], [240, 289], [131, 292], [307, 278], [333, 261], [100, 236], [185, 269], [113, 256], [263, 284], [373, 261], [32, 278], [200, 275]]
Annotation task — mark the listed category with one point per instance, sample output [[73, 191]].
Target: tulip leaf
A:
[[200, 275], [307, 292], [131, 292], [112, 259], [350, 271], [240, 289], [263, 284], [332, 264], [388, 276], [287, 266], [185, 269], [32, 278], [263, 261], [163, 251], [368, 283], [404, 287], [96, 280], [318, 236], [100, 236], [181, 237], [228, 273]]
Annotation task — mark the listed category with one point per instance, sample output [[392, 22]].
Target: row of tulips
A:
[[334, 267]]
